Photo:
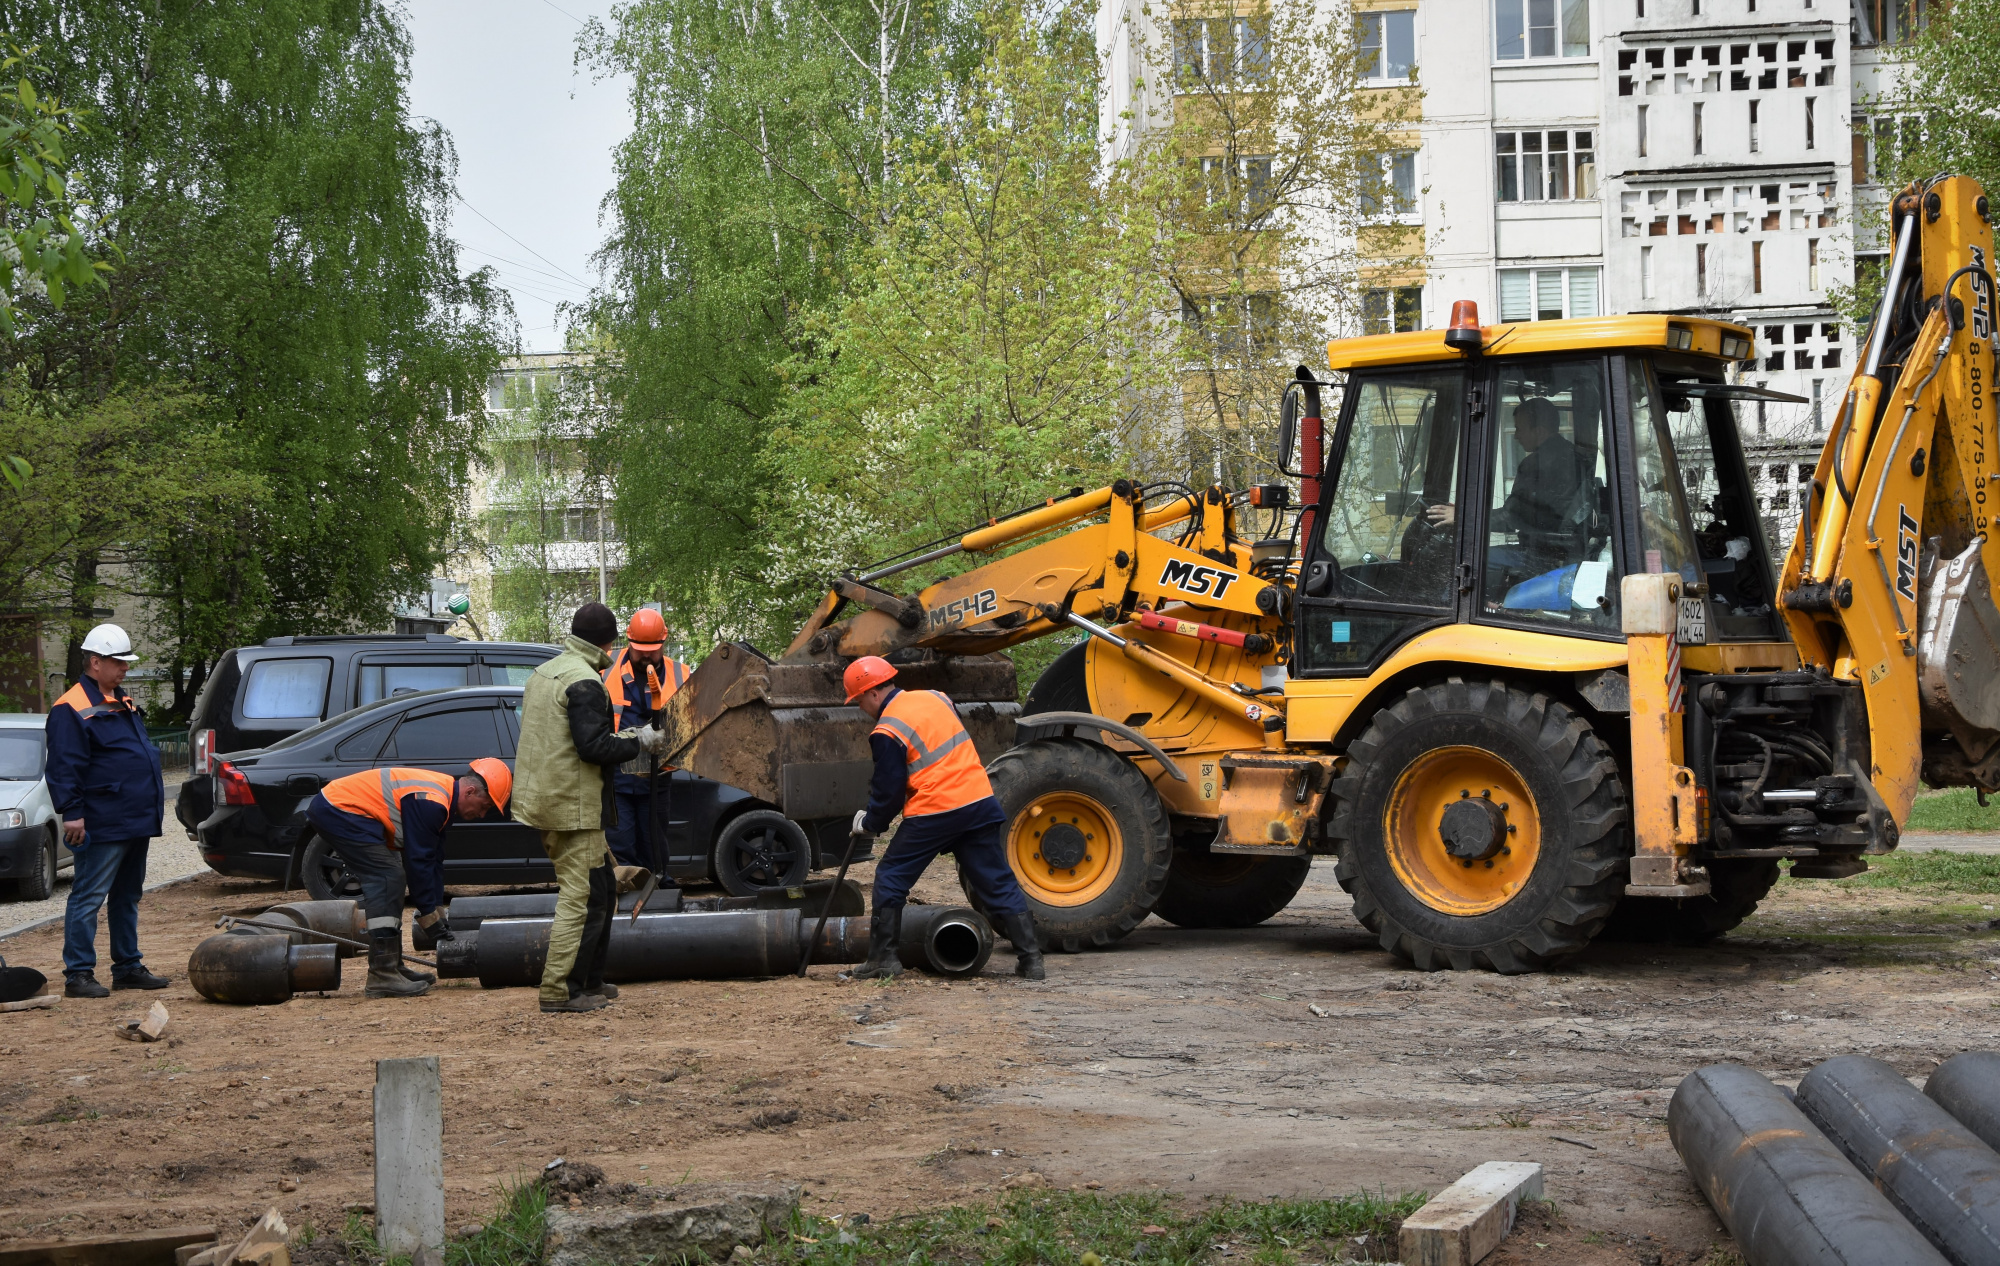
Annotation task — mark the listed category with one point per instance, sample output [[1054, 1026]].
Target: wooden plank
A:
[[409, 1155], [147, 1248], [1468, 1219]]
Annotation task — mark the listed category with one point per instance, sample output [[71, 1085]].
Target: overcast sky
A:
[[534, 136]]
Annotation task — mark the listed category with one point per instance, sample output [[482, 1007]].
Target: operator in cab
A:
[[641, 679], [388, 826], [927, 769], [1546, 481]]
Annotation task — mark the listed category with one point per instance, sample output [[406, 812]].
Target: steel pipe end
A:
[[950, 941], [242, 968], [314, 968]]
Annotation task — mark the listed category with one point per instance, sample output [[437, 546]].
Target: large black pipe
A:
[[251, 968], [718, 945], [467, 913], [341, 918], [1786, 1193], [1968, 1087], [1935, 1171]]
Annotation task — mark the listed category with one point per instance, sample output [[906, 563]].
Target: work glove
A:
[[437, 924], [651, 741], [860, 826]]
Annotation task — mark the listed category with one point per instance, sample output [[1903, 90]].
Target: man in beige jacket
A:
[[562, 787]]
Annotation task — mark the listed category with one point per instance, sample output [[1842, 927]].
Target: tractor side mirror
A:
[[1320, 577], [1288, 428]]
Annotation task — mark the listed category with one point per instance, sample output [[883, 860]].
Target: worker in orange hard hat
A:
[[370, 818], [641, 679], [927, 769]]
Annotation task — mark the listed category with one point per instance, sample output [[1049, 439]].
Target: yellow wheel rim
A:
[[1065, 849], [1413, 821]]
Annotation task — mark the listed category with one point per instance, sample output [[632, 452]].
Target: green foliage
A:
[[546, 465], [1950, 90], [281, 221], [43, 248], [1931, 870], [1057, 1229], [513, 1234]]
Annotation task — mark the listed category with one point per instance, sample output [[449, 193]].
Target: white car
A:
[[31, 843]]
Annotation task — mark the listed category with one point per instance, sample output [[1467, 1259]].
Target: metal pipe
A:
[[943, 551], [1968, 1087], [343, 918], [1935, 1171], [466, 913], [1786, 1193], [721, 945], [255, 968]]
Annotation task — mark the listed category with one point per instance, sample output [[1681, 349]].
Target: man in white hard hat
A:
[[105, 782]]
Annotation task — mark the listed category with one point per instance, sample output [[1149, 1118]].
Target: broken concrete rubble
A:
[[683, 1223]]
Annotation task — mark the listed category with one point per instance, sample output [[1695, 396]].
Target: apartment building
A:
[[1585, 157]]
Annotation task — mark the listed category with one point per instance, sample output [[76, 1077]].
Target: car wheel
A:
[[39, 884], [324, 876], [758, 850]]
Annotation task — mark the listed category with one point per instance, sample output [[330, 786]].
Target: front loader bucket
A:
[[785, 733]]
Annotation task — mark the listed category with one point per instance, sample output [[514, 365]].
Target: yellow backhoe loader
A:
[[1518, 655]]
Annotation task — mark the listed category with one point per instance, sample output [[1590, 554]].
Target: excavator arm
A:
[[1886, 581]]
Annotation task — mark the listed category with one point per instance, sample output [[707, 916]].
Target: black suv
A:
[[259, 827], [258, 695]]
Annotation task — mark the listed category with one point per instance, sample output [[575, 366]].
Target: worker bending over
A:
[[567, 750], [927, 769], [641, 679], [371, 818]]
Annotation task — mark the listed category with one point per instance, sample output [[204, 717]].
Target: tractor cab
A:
[[1511, 476]]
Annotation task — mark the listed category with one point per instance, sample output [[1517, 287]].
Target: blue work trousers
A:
[[631, 840], [982, 859], [109, 873]]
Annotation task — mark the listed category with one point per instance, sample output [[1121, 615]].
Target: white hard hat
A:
[[109, 641]]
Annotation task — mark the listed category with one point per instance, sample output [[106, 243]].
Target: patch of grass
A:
[[1954, 809], [512, 1235], [1058, 1229], [1930, 871]]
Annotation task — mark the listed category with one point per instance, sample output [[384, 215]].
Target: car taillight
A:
[[204, 751], [233, 786]]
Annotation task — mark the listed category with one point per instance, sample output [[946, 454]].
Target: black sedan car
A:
[[258, 826]]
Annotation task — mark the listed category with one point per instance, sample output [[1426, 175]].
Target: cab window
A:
[[1548, 542], [1665, 543], [1730, 546]]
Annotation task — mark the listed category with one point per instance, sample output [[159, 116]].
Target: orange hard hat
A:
[[498, 778], [864, 674], [647, 630]]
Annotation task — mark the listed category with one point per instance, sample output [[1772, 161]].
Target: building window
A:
[[1545, 166], [1550, 294], [1812, 263], [1888, 21], [1392, 189], [1237, 324], [1541, 28], [1642, 131], [1244, 187], [1392, 310], [1697, 128], [1701, 270], [1220, 51], [1812, 131], [1756, 268], [1754, 140], [1645, 272], [1818, 385], [1388, 45]]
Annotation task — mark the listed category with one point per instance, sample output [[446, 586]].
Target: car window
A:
[[511, 672], [20, 755], [385, 681], [366, 744], [460, 736], [286, 689]]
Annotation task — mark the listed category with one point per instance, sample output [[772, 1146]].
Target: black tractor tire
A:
[[320, 870], [1229, 890], [1582, 846], [1736, 886], [1123, 797], [760, 850], [1062, 687], [40, 883]]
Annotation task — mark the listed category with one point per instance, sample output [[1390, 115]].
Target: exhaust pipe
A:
[[1786, 1193], [721, 945], [1935, 1171], [1968, 1087], [245, 967]]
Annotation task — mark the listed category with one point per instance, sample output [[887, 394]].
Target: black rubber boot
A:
[[885, 927], [385, 967], [1020, 929]]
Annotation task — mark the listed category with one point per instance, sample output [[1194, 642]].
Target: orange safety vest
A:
[[945, 772], [623, 675], [370, 794]]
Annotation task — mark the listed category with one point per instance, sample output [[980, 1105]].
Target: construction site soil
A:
[[1293, 1059]]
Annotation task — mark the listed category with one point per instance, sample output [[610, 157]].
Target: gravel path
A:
[[172, 857]]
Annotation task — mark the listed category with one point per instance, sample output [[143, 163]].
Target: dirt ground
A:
[[1295, 1059]]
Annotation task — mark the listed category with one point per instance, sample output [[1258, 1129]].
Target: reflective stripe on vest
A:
[[370, 794], [79, 700], [623, 675], [945, 772]]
